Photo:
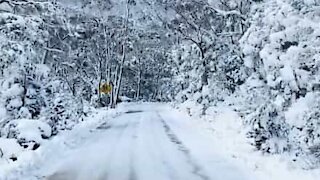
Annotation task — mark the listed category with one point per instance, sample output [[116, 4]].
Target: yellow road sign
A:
[[105, 88]]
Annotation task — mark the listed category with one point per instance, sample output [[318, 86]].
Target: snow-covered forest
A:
[[260, 59]]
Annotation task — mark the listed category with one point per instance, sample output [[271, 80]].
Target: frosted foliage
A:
[[282, 46], [259, 59]]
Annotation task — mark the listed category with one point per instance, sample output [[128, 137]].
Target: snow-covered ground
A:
[[152, 141], [225, 128]]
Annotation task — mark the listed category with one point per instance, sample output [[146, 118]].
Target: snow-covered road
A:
[[151, 141], [146, 143]]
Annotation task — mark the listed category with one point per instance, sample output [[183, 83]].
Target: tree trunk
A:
[[100, 82], [119, 77], [139, 82], [204, 77], [139, 86], [45, 55], [113, 91], [24, 90]]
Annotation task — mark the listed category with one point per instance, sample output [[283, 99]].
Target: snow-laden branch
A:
[[54, 50], [21, 2], [230, 33], [227, 13], [72, 65]]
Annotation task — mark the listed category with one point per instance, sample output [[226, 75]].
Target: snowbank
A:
[[55, 149], [28, 132], [225, 128], [9, 149]]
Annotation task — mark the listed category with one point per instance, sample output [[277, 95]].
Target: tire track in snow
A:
[[134, 136], [165, 163], [128, 129], [181, 147], [117, 131]]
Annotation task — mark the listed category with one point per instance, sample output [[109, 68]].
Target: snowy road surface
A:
[[146, 143]]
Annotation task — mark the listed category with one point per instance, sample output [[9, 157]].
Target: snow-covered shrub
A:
[[282, 48], [63, 113], [269, 129], [303, 118], [21, 39], [29, 133], [12, 98], [25, 77]]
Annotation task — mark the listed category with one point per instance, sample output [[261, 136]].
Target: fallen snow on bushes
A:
[[59, 145], [28, 130], [227, 130]]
